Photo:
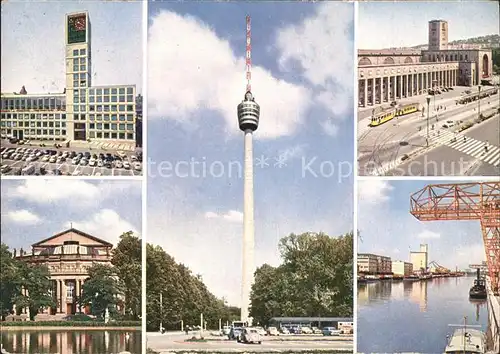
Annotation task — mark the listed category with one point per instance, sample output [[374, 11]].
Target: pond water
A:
[[71, 341]]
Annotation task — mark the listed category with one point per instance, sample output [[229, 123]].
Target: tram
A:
[[475, 96], [387, 115]]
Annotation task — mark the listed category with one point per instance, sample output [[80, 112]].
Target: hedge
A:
[[70, 324]]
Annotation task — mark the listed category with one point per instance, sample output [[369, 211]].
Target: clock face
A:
[[77, 28], [80, 24]]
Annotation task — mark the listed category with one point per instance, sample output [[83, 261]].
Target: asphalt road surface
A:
[[461, 158], [380, 149], [168, 343]]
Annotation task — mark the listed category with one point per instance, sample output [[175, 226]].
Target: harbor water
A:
[[414, 316], [71, 341]]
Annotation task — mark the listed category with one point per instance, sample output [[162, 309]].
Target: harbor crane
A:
[[438, 268], [465, 201]]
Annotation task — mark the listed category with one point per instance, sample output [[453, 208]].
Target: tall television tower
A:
[[248, 119]]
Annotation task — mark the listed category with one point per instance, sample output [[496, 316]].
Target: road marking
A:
[[470, 146]]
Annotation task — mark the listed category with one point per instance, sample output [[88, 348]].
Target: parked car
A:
[[331, 331], [235, 333], [261, 331], [316, 330], [273, 331], [306, 330], [250, 335]]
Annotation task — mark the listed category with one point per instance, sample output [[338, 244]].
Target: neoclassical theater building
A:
[[390, 74], [67, 255]]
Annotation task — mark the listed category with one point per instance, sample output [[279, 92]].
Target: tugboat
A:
[[466, 340], [478, 290]]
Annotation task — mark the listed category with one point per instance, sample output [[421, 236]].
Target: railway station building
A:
[[67, 254], [82, 112], [389, 74]]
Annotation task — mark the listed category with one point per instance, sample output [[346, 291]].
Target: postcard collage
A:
[[250, 177]]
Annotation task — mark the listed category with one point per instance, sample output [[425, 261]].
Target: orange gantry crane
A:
[[465, 201]]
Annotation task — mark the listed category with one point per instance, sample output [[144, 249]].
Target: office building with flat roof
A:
[[82, 112]]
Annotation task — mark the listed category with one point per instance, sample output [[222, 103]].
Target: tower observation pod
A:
[[248, 113], [248, 119]]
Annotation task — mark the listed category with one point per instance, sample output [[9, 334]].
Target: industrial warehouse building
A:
[[390, 74], [82, 112]]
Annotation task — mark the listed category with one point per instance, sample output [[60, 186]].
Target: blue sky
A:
[[302, 57], [401, 24], [388, 228], [35, 209], [33, 44]]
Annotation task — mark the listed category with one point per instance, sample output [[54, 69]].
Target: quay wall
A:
[[493, 319]]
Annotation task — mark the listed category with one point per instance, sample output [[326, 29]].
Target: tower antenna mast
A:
[[249, 55]]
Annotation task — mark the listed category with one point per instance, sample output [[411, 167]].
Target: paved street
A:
[[169, 343], [380, 149], [467, 158]]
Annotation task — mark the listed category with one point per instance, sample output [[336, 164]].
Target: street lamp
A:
[[479, 103], [428, 102]]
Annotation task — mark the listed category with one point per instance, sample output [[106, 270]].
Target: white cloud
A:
[[428, 235], [329, 127], [23, 217], [373, 191], [292, 152], [106, 224], [205, 74], [75, 191], [231, 216], [322, 47]]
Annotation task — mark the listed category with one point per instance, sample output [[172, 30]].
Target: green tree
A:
[[35, 279], [127, 258], [9, 286], [102, 290], [184, 296], [315, 279]]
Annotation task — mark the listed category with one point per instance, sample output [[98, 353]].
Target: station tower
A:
[[248, 119]]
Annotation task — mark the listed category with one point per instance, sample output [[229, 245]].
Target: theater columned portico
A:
[[67, 256]]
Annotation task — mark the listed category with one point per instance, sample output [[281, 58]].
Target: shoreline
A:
[[68, 328]]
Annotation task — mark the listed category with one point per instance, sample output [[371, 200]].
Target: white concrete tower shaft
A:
[[248, 119], [248, 228]]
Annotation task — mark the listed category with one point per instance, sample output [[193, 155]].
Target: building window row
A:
[[112, 98], [111, 126], [450, 57], [112, 91], [55, 124], [110, 135], [111, 108], [38, 132], [27, 116], [49, 103], [111, 117]]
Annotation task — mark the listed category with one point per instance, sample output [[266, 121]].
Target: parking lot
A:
[[66, 161]]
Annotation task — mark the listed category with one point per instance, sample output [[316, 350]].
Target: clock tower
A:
[[78, 74]]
